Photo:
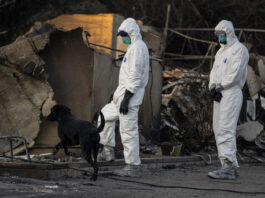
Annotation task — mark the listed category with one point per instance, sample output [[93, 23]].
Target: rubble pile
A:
[[250, 133], [186, 116]]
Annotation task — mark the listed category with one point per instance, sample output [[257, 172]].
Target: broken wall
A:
[[25, 95], [35, 72], [96, 24], [69, 64]]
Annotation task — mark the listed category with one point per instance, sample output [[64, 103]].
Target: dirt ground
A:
[[182, 181]]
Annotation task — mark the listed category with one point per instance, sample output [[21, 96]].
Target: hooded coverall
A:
[[229, 69], [133, 77]]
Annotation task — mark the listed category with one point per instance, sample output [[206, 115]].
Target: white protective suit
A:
[[229, 69], [133, 76]]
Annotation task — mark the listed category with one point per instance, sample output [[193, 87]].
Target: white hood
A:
[[228, 28], [130, 26]]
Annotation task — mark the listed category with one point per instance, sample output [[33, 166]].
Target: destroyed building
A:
[[36, 65], [63, 66]]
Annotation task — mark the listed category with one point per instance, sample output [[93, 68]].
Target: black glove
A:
[[219, 87], [111, 98], [216, 96], [125, 102], [212, 91], [212, 87]]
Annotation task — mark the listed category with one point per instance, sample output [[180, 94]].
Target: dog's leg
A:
[[95, 156], [64, 144], [86, 149], [57, 148]]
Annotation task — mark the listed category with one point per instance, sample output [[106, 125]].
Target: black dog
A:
[[72, 131]]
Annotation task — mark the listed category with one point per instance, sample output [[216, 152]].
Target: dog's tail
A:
[[95, 121]]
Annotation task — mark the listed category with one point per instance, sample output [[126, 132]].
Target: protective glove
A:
[[212, 87], [111, 98], [212, 90], [216, 96], [125, 102], [219, 87]]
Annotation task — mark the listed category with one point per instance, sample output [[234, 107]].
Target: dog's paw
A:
[[94, 177]]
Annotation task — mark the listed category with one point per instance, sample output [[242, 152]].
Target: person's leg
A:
[[225, 136], [130, 136], [216, 119], [130, 140], [226, 145], [107, 136]]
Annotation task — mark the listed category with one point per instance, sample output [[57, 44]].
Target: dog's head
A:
[[56, 111]]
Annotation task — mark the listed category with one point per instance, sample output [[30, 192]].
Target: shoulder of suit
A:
[[140, 45], [218, 52], [239, 47]]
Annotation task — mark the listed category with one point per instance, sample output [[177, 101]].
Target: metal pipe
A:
[[117, 50], [107, 47], [191, 38], [11, 138], [25, 143], [212, 29], [11, 148]]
